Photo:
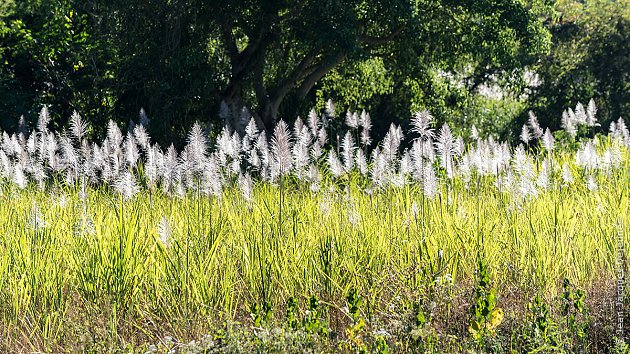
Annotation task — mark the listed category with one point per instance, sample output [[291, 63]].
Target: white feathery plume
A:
[[526, 187], [169, 169], [16, 145], [51, 147], [580, 113], [235, 142], [465, 168], [179, 191], [224, 147], [505, 156], [188, 169], [352, 120], [623, 132], [591, 111], [446, 147], [300, 150], [364, 119], [297, 127], [305, 137], [78, 128], [606, 161], [97, 159], [591, 184], [366, 124], [421, 124], [6, 170], [36, 170], [405, 167], [197, 144], [459, 146], [18, 177], [316, 150], [108, 175], [212, 182], [251, 131], [281, 148], [335, 166], [543, 175], [263, 148], [522, 163], [151, 169], [126, 185], [361, 162], [246, 186], [313, 122], [616, 156], [430, 185], [568, 124], [347, 152], [7, 145], [474, 133], [314, 176], [142, 137], [417, 160], [44, 119], [31, 146], [428, 151], [131, 150], [391, 143], [330, 109], [533, 124], [548, 141], [380, 169], [586, 157], [114, 135], [322, 136], [42, 141], [70, 156], [573, 117]]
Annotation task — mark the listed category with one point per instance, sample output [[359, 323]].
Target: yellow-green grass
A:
[[103, 257]]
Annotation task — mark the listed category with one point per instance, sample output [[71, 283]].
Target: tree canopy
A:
[[180, 59]]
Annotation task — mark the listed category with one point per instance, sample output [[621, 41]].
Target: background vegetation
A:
[[466, 61]]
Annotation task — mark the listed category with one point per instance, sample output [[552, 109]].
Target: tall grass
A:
[[150, 264]]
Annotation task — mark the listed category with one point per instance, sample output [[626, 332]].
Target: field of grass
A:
[[428, 245]]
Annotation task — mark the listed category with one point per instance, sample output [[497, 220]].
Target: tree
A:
[[279, 50], [179, 59], [590, 58], [52, 56]]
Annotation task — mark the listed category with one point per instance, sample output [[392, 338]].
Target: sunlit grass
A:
[[64, 259]]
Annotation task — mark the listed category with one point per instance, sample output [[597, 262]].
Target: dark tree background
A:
[[179, 59]]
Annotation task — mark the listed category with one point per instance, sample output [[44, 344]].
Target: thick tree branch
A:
[[299, 73], [259, 86], [228, 38], [322, 70]]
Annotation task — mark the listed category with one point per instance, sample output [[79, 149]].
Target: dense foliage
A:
[[180, 59], [590, 57]]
